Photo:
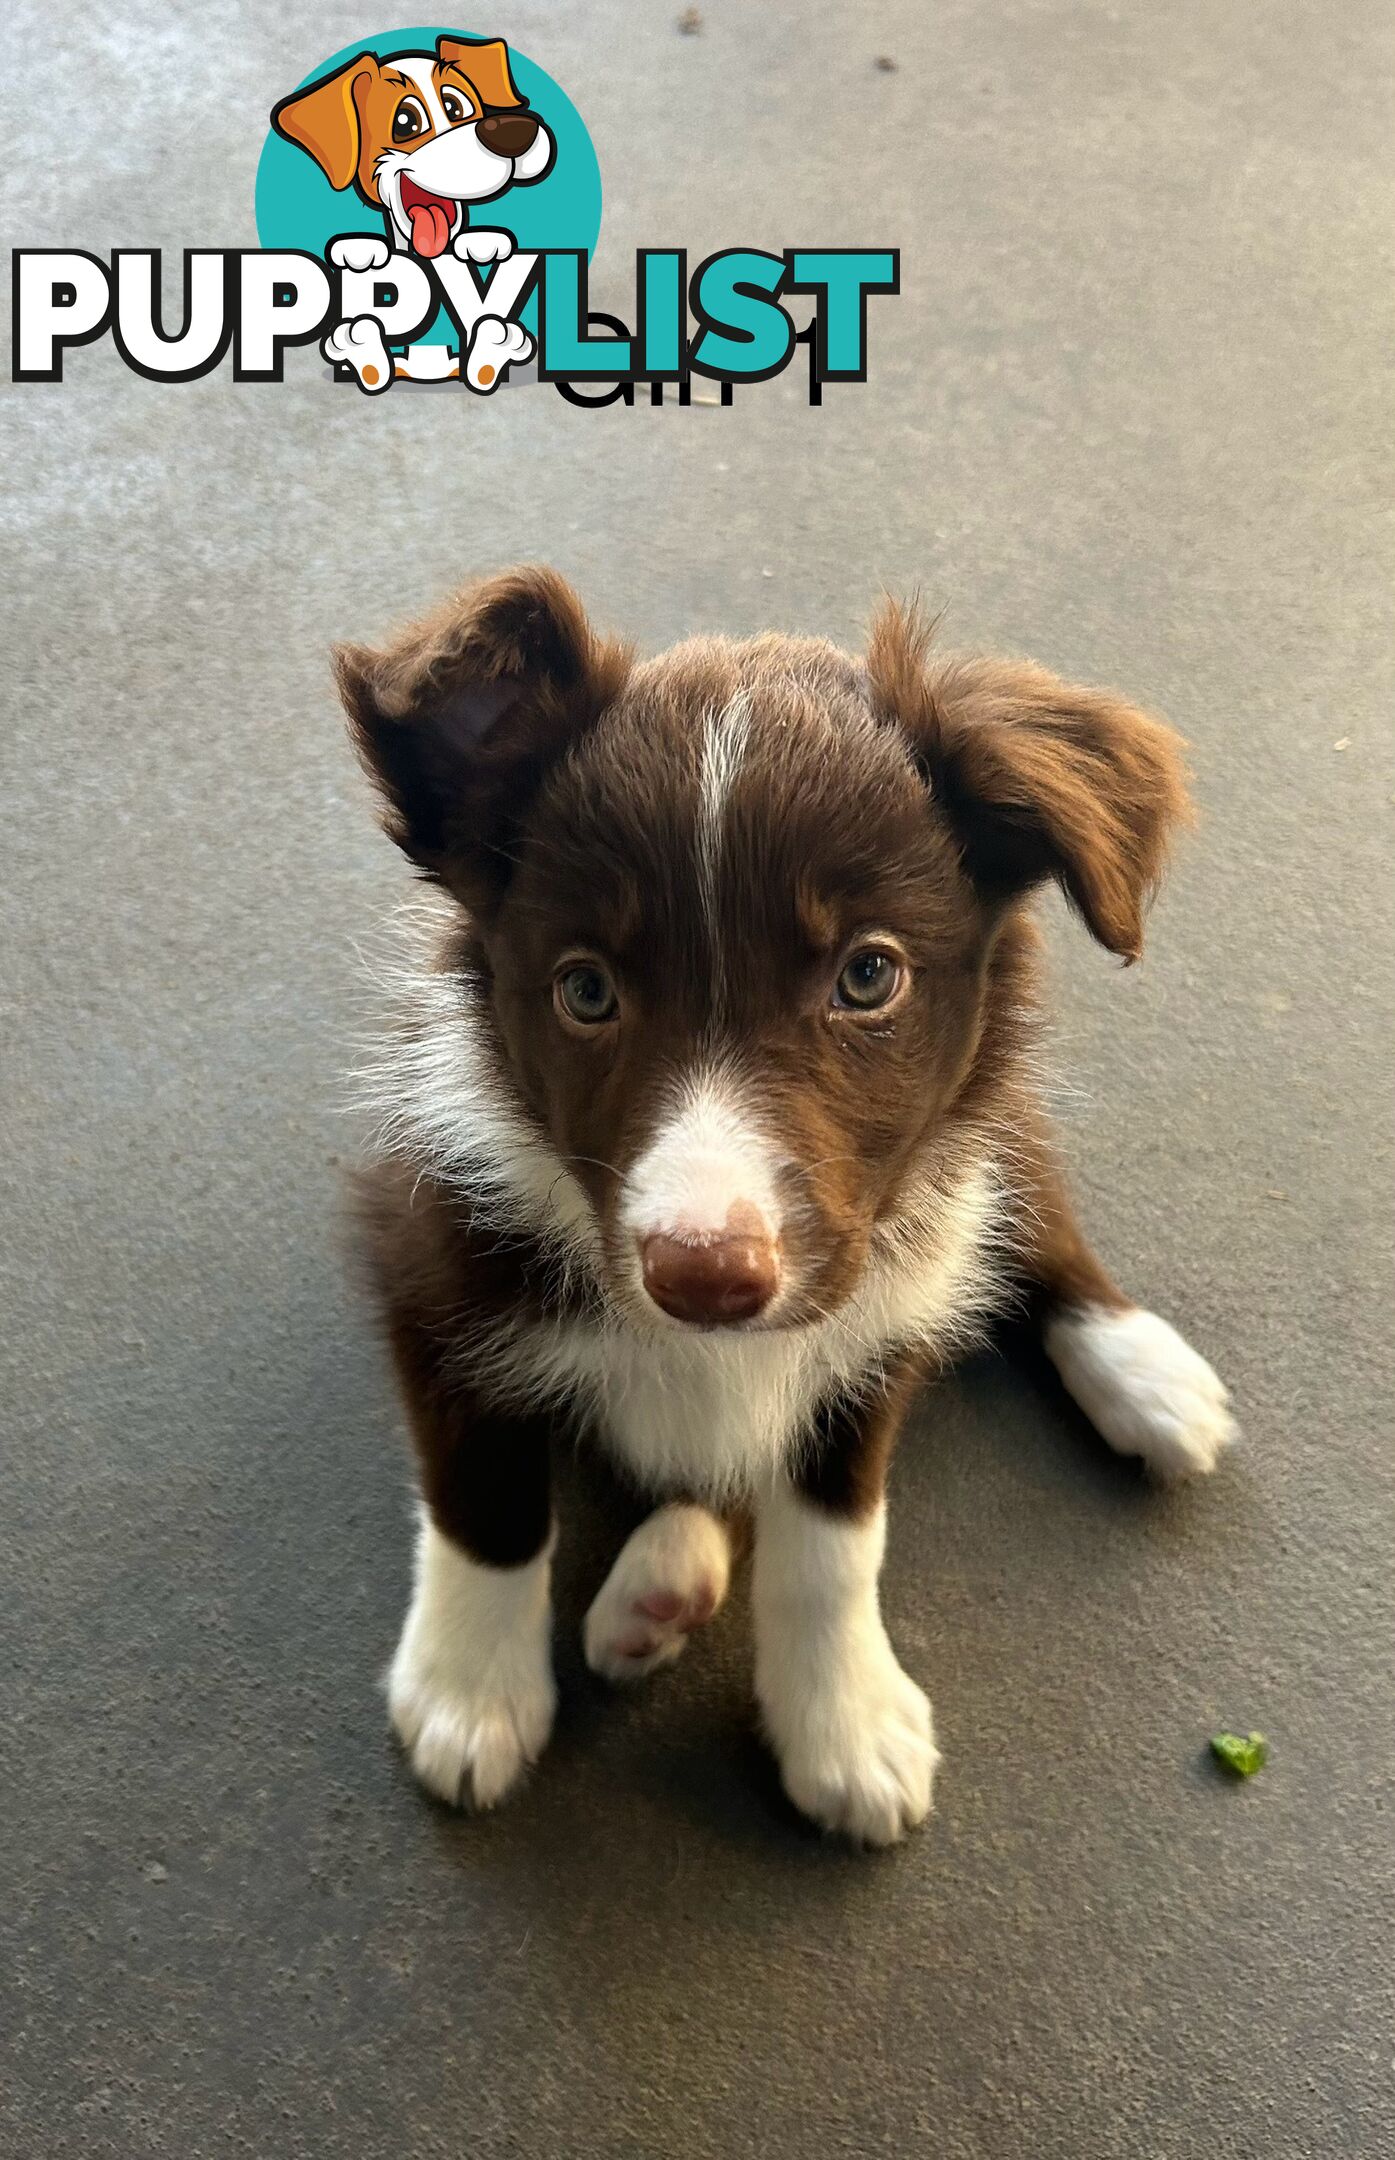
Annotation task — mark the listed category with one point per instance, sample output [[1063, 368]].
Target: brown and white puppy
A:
[[420, 137], [711, 1123]]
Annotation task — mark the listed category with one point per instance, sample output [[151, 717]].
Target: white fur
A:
[[470, 1689], [497, 345], [725, 736], [420, 73], [709, 1156], [680, 1552], [534, 161], [436, 1091], [454, 162], [1143, 1388], [852, 1731]]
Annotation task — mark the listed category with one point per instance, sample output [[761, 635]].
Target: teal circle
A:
[[297, 208]]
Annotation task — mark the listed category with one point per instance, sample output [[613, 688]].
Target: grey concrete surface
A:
[[1131, 413]]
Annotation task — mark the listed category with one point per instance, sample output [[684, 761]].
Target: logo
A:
[[428, 202]]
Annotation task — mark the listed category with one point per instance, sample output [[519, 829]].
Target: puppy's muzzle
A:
[[710, 1282], [507, 134]]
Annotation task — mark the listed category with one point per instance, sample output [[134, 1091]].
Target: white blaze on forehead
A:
[[707, 1162], [725, 735], [417, 69]]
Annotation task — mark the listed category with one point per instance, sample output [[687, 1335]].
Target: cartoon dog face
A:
[[420, 135]]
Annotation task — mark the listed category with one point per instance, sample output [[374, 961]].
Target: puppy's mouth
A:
[[432, 220]]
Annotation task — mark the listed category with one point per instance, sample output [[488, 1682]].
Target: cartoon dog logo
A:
[[421, 137]]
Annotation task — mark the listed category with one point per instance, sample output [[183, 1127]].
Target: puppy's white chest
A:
[[721, 1424], [709, 1416]]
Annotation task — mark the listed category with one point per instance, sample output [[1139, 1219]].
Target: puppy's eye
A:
[[870, 979], [409, 119], [455, 107], [585, 993]]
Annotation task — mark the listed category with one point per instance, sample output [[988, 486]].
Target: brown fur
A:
[[485, 1472], [461, 718], [345, 119], [1040, 779], [844, 1468]]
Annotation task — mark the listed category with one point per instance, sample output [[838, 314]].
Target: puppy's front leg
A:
[[851, 1730], [471, 1689]]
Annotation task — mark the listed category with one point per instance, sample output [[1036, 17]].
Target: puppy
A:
[[712, 1124], [421, 137]]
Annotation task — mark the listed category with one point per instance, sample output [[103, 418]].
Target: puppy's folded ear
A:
[[483, 62], [323, 119], [1038, 778], [460, 720]]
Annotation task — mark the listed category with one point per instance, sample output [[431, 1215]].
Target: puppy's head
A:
[[421, 135], [734, 910]]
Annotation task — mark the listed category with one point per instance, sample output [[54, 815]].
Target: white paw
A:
[[670, 1577], [359, 251], [483, 246], [359, 345], [470, 1690], [1143, 1388], [494, 347], [857, 1748], [470, 1745]]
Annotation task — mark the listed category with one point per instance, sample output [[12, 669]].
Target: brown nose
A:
[[717, 1282], [507, 134]]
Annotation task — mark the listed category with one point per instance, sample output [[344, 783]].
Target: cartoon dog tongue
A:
[[430, 226]]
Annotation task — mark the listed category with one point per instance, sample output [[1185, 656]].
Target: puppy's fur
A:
[[712, 1122]]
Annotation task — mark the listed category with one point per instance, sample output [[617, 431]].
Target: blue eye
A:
[[869, 980], [585, 993]]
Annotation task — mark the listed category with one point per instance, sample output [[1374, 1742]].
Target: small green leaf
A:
[[1242, 1756]]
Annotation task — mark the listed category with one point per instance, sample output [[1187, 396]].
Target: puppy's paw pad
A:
[[359, 345], [483, 246], [495, 347], [359, 251], [859, 1759], [635, 1640], [669, 1579], [1144, 1388], [472, 1746]]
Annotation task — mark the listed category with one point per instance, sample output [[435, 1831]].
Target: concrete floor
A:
[[1130, 414]]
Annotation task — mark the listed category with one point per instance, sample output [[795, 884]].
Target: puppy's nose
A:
[[507, 134], [713, 1282]]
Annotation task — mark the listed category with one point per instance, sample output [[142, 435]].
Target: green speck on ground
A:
[[1242, 1756]]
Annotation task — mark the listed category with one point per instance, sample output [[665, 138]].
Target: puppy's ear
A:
[[1038, 778], [461, 719], [485, 64], [323, 119]]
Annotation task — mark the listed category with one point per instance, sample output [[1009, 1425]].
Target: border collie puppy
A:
[[712, 1124]]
